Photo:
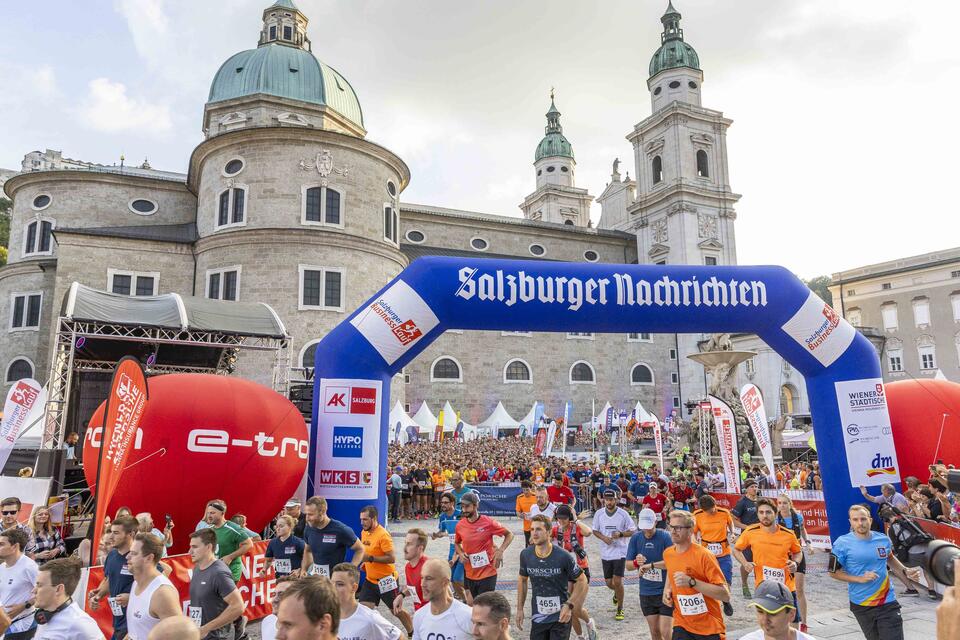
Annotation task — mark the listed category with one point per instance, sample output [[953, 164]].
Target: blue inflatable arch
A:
[[356, 361]]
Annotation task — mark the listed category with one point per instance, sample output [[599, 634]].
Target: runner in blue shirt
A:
[[860, 558], [327, 540], [449, 517], [285, 552], [645, 553], [459, 489]]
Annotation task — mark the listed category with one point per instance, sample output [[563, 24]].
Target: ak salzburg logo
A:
[[356, 400]]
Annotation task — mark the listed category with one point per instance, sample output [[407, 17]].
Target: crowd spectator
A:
[[47, 541]]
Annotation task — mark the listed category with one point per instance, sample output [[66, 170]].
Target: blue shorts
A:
[[726, 566], [457, 572]]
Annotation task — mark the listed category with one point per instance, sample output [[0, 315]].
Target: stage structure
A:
[[169, 333], [355, 362]]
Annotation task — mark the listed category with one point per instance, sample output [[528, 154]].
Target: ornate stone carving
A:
[[654, 147], [293, 119], [659, 231], [680, 207], [232, 118], [323, 164], [719, 342], [701, 139], [706, 225]]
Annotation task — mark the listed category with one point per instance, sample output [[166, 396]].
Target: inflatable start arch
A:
[[356, 361]]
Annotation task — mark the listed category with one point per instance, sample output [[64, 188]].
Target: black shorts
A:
[[370, 592], [526, 538], [613, 568], [549, 631], [748, 554], [653, 606], [879, 623], [483, 585], [802, 565], [679, 633]]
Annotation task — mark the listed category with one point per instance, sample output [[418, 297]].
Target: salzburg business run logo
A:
[[405, 331], [822, 333], [356, 400]]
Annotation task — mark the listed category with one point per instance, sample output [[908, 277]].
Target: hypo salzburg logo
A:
[[348, 442], [363, 400], [881, 465]]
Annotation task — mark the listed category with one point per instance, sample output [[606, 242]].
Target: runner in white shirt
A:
[[356, 622], [59, 616], [152, 596], [444, 617], [268, 626], [613, 527], [542, 505], [18, 575], [775, 611]]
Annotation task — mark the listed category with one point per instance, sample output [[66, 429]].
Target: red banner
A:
[[814, 514], [128, 397], [940, 531], [541, 442], [256, 592]]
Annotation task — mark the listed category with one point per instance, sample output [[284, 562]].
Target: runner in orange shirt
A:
[[712, 528], [695, 585], [776, 551], [524, 501], [379, 564], [474, 545]]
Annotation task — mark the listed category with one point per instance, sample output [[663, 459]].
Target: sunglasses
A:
[[679, 527], [9, 513]]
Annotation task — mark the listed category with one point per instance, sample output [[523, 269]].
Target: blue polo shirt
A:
[[651, 549], [859, 556], [289, 552]]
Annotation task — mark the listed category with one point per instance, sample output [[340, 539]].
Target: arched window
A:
[[308, 355], [323, 206], [788, 399], [20, 368], [641, 374], [38, 237], [517, 371], [657, 169], [582, 373], [447, 369], [232, 207], [703, 167]]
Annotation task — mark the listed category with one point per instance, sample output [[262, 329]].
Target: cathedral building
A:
[[289, 201]]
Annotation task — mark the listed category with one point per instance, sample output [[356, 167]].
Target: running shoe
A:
[[746, 591], [619, 615], [592, 630], [727, 609]]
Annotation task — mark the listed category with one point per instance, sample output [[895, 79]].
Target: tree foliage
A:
[[820, 286], [5, 207]]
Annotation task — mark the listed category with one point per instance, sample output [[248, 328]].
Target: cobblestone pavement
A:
[[828, 612]]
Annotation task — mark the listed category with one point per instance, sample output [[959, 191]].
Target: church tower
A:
[[556, 198]]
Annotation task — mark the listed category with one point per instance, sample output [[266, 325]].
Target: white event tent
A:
[[425, 420], [497, 420], [527, 420], [397, 414]]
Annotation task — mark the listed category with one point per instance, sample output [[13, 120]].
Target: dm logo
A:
[[347, 442], [881, 465]]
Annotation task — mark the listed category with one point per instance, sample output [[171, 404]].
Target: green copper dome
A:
[[553, 143], [673, 52]]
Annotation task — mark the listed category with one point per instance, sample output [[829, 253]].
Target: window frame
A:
[[26, 310], [519, 334], [920, 303], [955, 306], [111, 273], [246, 208], [928, 350], [156, 206], [594, 251], [593, 373], [506, 366], [37, 220], [702, 153], [243, 165], [407, 237], [653, 379], [303, 352], [37, 195], [896, 316], [576, 335], [6, 373], [640, 337], [394, 223], [221, 271], [536, 255], [322, 222], [457, 380], [485, 241], [898, 354], [302, 269]]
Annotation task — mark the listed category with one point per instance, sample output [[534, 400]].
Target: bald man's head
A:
[[178, 628], [437, 567], [435, 580]]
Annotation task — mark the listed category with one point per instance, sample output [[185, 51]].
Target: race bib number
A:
[[319, 570], [653, 575], [692, 605], [115, 607], [453, 538], [329, 538], [405, 486], [388, 584], [716, 548], [546, 606], [479, 560], [282, 566], [777, 575], [677, 504], [658, 516], [414, 596], [196, 614]]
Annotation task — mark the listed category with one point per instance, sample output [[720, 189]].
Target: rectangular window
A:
[[224, 284], [639, 337], [928, 359], [516, 333], [26, 311], [895, 361], [31, 238], [391, 222], [132, 283], [676, 402], [223, 216], [321, 288], [890, 320], [321, 206], [673, 354], [121, 285], [579, 335], [955, 274], [851, 292], [955, 303], [921, 312], [886, 286], [710, 261], [232, 209], [288, 33], [750, 366], [273, 33], [674, 378], [312, 210], [145, 286], [238, 202], [333, 207], [854, 318], [46, 232]]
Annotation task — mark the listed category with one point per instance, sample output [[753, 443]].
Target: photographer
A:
[[948, 611]]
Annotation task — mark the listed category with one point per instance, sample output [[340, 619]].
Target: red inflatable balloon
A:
[[204, 437], [925, 417]]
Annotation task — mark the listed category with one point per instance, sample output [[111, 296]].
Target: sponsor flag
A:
[[726, 426], [752, 401], [551, 436], [658, 439], [458, 431], [24, 405], [413, 433], [541, 441], [537, 419], [609, 418], [121, 417], [566, 425], [396, 433]]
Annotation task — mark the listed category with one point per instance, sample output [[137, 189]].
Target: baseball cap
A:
[[647, 519], [292, 502], [470, 497], [749, 483], [609, 492], [772, 597], [564, 511]]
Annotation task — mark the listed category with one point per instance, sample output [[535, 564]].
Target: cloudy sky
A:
[[843, 134]]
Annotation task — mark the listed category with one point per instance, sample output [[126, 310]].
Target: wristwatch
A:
[[692, 583]]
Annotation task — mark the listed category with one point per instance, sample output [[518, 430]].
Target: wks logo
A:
[[881, 465], [348, 442]]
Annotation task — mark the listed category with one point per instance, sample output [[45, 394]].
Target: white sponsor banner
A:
[[867, 437], [348, 439], [726, 426], [551, 436], [820, 330], [32, 492], [658, 439], [752, 401], [24, 404], [395, 321]]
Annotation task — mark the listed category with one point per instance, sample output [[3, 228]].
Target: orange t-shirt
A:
[[378, 542], [771, 552], [712, 528], [476, 540], [523, 506], [691, 609]]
